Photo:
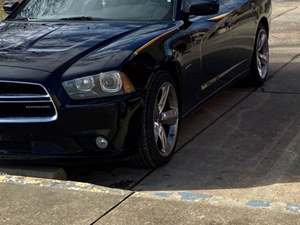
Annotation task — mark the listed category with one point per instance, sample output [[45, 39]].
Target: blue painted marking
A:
[[258, 203], [293, 207], [163, 194], [190, 196]]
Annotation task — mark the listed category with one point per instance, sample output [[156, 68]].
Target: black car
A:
[[106, 79]]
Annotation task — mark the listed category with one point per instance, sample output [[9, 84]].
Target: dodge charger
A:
[[112, 79]]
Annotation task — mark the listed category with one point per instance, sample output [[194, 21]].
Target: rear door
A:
[[243, 31]]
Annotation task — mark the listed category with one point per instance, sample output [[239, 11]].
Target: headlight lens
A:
[[100, 85], [111, 82]]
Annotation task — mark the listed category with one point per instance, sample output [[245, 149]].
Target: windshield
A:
[[97, 9]]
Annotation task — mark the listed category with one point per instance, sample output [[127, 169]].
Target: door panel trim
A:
[[220, 76]]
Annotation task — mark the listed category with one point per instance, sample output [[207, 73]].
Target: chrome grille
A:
[[22, 102]]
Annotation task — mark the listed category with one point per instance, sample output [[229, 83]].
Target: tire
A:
[[260, 61], [160, 122]]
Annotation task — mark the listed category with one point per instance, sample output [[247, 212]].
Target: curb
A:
[[199, 197], [59, 184], [179, 196]]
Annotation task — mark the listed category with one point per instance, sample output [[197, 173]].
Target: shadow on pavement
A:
[[238, 139]]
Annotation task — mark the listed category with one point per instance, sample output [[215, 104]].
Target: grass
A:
[[2, 13]]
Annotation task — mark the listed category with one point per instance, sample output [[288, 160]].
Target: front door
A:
[[218, 56]]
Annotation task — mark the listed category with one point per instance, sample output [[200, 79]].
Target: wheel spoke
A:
[[156, 131], [262, 41], [169, 117], [163, 138], [259, 66], [164, 97], [259, 63], [263, 58]]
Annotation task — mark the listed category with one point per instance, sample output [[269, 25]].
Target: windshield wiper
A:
[[80, 18]]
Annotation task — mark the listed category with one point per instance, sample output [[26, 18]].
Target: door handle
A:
[[219, 17]]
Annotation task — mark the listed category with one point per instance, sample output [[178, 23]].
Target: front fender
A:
[[157, 54], [119, 53]]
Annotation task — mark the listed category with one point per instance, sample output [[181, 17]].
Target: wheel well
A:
[[173, 70], [265, 23]]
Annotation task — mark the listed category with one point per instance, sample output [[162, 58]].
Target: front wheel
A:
[[160, 122], [260, 61]]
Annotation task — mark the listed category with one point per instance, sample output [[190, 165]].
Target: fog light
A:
[[101, 142]]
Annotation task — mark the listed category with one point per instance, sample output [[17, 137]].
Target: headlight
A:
[[100, 85]]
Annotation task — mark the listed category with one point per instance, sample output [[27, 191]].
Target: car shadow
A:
[[241, 138]]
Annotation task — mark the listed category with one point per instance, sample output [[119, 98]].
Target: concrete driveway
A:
[[237, 161]]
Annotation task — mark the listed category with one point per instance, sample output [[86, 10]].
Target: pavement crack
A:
[[142, 179], [283, 66], [112, 208], [285, 12], [124, 199], [279, 92]]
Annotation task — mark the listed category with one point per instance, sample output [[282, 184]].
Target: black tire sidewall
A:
[[148, 145]]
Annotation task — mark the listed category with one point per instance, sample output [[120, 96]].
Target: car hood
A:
[[53, 47]]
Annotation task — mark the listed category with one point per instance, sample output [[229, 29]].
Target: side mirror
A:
[[10, 5], [201, 7]]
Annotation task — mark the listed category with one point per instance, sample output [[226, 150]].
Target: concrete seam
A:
[[285, 12], [112, 208], [283, 66], [280, 92]]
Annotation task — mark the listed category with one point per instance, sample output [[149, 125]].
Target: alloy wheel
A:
[[166, 119], [262, 54]]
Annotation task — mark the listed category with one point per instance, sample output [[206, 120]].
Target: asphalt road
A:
[[239, 154]]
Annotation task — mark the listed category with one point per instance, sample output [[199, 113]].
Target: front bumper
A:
[[72, 135]]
